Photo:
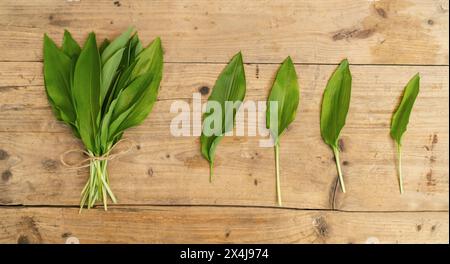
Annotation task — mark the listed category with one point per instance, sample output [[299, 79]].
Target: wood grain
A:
[[217, 225], [367, 32], [170, 170]]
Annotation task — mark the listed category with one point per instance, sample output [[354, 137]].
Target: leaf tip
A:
[[131, 29], [158, 40], [288, 60], [239, 55], [48, 40]]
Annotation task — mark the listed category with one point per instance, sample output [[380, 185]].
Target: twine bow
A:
[[109, 155]]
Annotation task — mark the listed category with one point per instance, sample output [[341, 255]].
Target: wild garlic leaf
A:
[[133, 48], [335, 105], [230, 86], [400, 119], [153, 76], [121, 81], [57, 68], [285, 91], [144, 104], [149, 59], [147, 69], [137, 46], [103, 46], [86, 92], [109, 72], [117, 44], [70, 46], [135, 102]]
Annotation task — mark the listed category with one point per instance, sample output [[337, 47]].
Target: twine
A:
[[109, 155]]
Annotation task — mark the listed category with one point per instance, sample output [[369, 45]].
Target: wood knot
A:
[[150, 172], [6, 175], [321, 227], [204, 90], [23, 240], [381, 12], [50, 165], [3, 154]]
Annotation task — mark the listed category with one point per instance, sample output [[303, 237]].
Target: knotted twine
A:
[[109, 155]]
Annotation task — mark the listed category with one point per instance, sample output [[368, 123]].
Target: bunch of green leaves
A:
[[100, 92], [400, 119], [285, 92], [229, 87], [335, 104]]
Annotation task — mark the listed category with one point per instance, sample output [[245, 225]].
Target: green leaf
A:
[[230, 86], [137, 44], [57, 71], [109, 71], [153, 76], [149, 59], [86, 91], [116, 45], [143, 106], [133, 48], [335, 104], [285, 91], [149, 66], [400, 119], [70, 46], [122, 80], [103, 46], [135, 102]]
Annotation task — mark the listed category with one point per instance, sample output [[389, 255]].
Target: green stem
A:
[[338, 165], [399, 168], [211, 171], [91, 188], [277, 165], [100, 190]]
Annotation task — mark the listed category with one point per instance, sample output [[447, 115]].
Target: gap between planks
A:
[[276, 63], [145, 206]]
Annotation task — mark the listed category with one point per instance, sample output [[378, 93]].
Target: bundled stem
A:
[[277, 165], [97, 188], [338, 165]]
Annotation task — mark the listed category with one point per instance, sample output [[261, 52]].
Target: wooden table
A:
[[162, 186]]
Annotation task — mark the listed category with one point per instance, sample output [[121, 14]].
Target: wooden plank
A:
[[24, 105], [217, 225], [382, 32], [245, 171]]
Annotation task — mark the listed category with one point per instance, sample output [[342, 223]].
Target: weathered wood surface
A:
[[174, 224], [163, 186], [382, 32], [245, 172]]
